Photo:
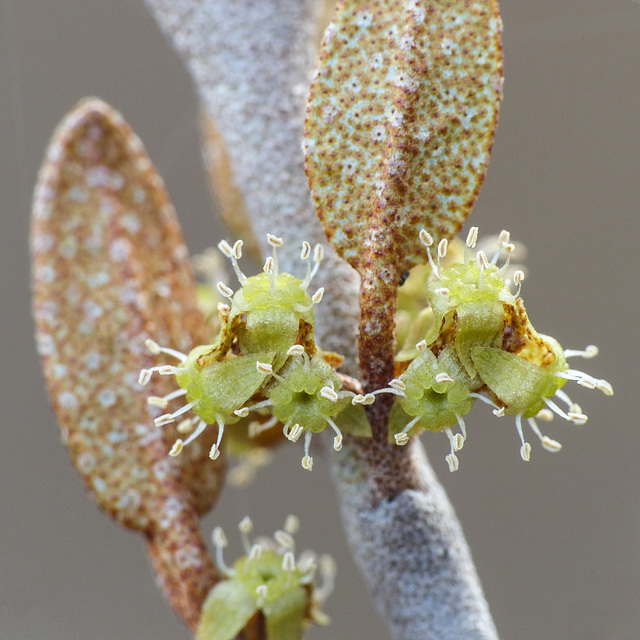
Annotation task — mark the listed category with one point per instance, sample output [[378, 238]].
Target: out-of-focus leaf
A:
[[400, 122], [110, 270]]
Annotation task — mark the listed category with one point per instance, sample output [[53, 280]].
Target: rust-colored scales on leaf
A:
[[400, 122], [110, 270]]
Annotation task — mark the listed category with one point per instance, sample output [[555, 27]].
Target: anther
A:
[[264, 368], [237, 249], [551, 445], [605, 387], [274, 241], [225, 248], [421, 346], [442, 248], [577, 417], [483, 263], [367, 399], [262, 591], [176, 448], [296, 350], [329, 394], [219, 538], [318, 253], [155, 401], [453, 462], [167, 418], [256, 552], [503, 238], [545, 414], [284, 539], [307, 463], [518, 277], [293, 433], [306, 250], [337, 443], [288, 562], [242, 413], [525, 451], [292, 524], [472, 237], [227, 292], [153, 347], [185, 426], [425, 237], [499, 413], [443, 291], [443, 377], [214, 452], [317, 296], [268, 265], [398, 385], [401, 439]]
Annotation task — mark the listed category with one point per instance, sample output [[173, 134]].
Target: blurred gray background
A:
[[556, 541]]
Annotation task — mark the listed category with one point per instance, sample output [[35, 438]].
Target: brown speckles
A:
[[427, 73], [108, 255]]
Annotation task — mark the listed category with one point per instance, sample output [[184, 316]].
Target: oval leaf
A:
[[110, 270], [400, 122]]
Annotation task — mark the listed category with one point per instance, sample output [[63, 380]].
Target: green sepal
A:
[[478, 323], [518, 383], [222, 387], [225, 612], [353, 420], [285, 616]]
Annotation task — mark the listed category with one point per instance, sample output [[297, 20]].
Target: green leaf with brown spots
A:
[[400, 122], [110, 270]]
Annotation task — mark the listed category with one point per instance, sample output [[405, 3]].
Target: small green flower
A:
[[267, 580], [265, 358]]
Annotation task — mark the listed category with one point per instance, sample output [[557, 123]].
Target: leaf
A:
[[400, 122], [110, 270], [225, 612]]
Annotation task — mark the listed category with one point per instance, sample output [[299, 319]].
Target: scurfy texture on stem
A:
[[383, 160]]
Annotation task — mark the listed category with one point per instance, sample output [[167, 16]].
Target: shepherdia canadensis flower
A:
[[268, 579], [265, 353], [481, 345]]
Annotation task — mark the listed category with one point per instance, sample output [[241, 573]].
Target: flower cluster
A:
[[264, 359], [268, 579], [481, 345]]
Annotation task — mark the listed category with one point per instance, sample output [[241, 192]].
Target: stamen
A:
[[256, 428], [214, 454], [293, 433], [427, 241], [497, 411], [288, 562], [547, 443], [337, 441], [556, 409], [163, 370], [171, 417], [318, 257], [328, 572], [262, 591], [456, 441], [163, 402], [463, 427], [525, 449], [255, 553], [202, 425], [292, 524], [284, 539], [483, 263], [590, 351], [307, 461], [245, 527]]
